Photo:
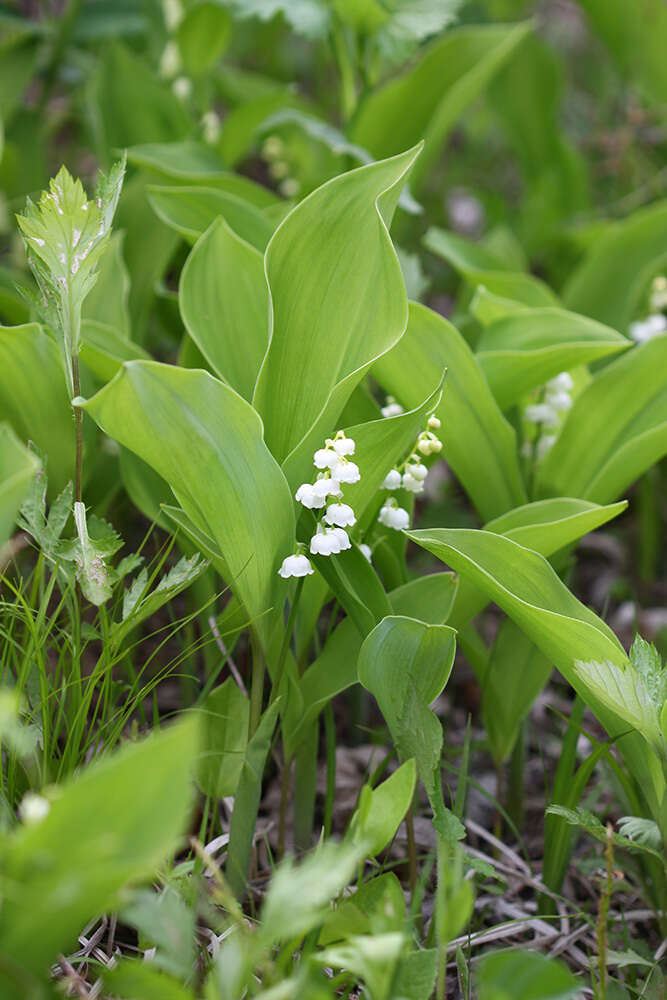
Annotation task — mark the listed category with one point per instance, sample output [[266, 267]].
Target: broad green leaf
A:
[[224, 304], [206, 442], [246, 801], [381, 810], [516, 674], [333, 671], [192, 163], [104, 350], [546, 526], [603, 286], [527, 589], [132, 978], [479, 267], [372, 957], [521, 352], [148, 248], [107, 300], [202, 36], [525, 975], [426, 99], [377, 903], [416, 973], [337, 303], [89, 848], [428, 598], [166, 922], [132, 105], [355, 583], [191, 210], [17, 468], [479, 443], [634, 34], [405, 664], [224, 727], [299, 896], [616, 429], [34, 400]]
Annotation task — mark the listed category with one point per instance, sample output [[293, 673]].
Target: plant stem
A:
[[284, 796], [280, 666], [257, 683], [330, 742], [412, 848], [601, 930], [78, 430]]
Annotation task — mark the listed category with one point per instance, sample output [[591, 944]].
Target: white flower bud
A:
[[391, 408], [365, 551], [424, 446], [392, 481], [182, 87], [33, 808], [434, 423], [647, 329], [340, 514], [310, 497]]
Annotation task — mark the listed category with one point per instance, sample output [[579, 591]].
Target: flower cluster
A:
[[410, 475], [656, 322], [548, 414], [336, 470]]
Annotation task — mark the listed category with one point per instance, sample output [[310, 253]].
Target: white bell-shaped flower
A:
[[33, 808], [434, 423], [417, 470], [365, 551], [325, 542], [326, 486], [325, 458], [647, 329], [343, 445], [391, 408], [559, 400], [296, 565], [544, 445], [411, 484], [343, 538], [346, 472], [393, 516], [340, 515], [562, 382], [541, 413], [310, 497], [392, 481]]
